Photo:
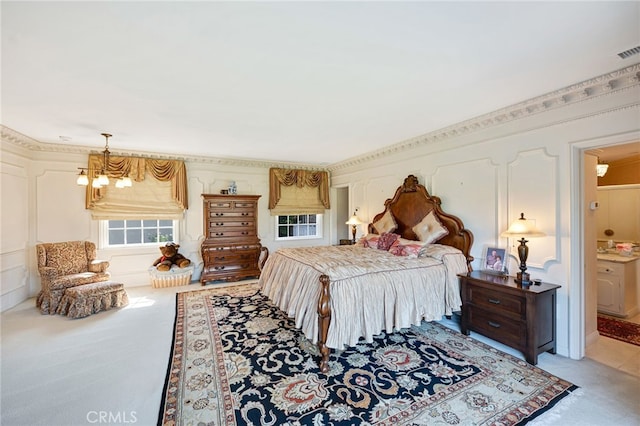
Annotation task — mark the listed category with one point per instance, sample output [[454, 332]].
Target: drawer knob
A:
[[219, 234], [494, 301], [493, 324], [219, 268]]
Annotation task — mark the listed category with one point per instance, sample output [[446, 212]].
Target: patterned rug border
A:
[[630, 328], [253, 287], [178, 310]]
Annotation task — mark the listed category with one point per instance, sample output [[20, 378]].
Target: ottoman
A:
[[88, 299]]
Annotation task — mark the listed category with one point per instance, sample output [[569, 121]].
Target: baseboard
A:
[[592, 338]]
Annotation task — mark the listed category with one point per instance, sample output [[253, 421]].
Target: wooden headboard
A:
[[411, 203]]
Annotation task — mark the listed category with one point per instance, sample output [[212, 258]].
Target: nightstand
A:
[[523, 318]]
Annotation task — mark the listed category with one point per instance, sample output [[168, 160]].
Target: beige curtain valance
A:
[[159, 190], [294, 191]]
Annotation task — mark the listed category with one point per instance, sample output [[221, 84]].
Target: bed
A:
[[403, 272]]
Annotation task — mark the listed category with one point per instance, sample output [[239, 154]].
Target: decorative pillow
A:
[[386, 240], [386, 223], [408, 248], [370, 241], [430, 229]]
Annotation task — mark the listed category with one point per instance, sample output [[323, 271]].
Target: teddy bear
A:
[[170, 256]]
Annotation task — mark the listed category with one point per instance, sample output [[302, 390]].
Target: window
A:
[[138, 232], [298, 226]]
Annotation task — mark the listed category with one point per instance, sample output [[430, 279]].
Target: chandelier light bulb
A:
[[83, 179], [103, 179]]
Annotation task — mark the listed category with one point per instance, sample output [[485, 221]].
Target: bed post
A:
[[324, 318]]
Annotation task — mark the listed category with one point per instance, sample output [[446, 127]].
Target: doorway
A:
[[598, 348], [342, 213]]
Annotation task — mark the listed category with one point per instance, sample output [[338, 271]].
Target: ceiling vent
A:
[[630, 52]]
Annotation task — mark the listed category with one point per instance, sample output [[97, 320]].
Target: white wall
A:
[[525, 158], [42, 203]]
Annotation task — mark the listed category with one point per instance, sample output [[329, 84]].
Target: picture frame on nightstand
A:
[[495, 261]]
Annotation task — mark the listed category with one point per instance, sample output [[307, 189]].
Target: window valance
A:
[[159, 190], [295, 191]]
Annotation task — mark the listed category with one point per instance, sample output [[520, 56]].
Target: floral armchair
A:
[[65, 265]]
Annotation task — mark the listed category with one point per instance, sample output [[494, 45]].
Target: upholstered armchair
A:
[[65, 265]]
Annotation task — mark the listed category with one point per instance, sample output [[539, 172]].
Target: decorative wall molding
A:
[[617, 81], [607, 84], [9, 135]]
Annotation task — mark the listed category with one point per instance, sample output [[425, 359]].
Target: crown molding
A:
[[16, 138], [616, 81]]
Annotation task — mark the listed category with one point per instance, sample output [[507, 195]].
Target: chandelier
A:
[[102, 177]]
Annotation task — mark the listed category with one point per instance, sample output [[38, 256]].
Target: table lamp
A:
[[354, 222], [522, 228]]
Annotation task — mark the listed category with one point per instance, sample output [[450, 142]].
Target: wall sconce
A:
[[601, 168], [354, 222], [521, 228]]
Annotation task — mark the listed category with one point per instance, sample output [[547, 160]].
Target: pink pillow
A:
[[370, 241], [386, 240], [408, 248]]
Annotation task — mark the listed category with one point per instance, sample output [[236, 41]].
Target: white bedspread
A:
[[371, 290]]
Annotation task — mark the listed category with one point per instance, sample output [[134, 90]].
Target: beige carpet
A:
[[61, 372]]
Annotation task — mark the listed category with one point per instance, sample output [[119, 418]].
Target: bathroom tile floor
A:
[[614, 353]]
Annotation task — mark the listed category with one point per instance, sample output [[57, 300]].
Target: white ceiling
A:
[[310, 82]]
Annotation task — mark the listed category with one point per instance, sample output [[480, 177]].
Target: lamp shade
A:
[[83, 179], [353, 220], [522, 227], [601, 169]]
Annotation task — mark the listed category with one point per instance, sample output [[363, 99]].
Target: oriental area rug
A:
[[238, 360], [618, 329]]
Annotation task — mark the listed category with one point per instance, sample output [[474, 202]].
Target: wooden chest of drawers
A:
[[521, 317], [231, 249]]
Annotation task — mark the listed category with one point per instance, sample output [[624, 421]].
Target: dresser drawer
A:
[[497, 301], [245, 205], [219, 253], [498, 327], [221, 223], [610, 268], [230, 272], [238, 214], [231, 233], [232, 257], [219, 205]]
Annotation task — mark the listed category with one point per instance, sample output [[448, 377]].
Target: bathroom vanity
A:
[[618, 284]]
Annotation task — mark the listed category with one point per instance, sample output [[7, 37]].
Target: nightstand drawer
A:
[[498, 327], [497, 301]]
